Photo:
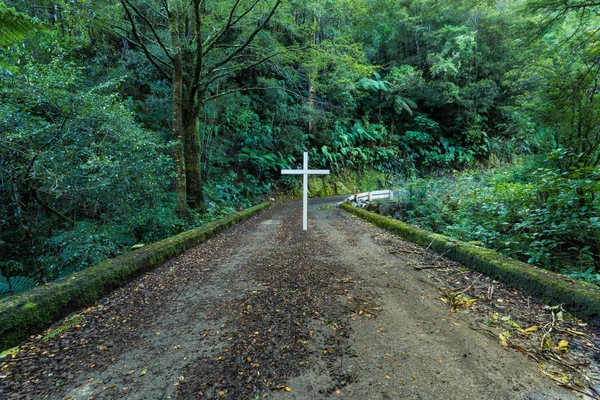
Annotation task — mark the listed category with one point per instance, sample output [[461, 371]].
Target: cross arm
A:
[[303, 171]]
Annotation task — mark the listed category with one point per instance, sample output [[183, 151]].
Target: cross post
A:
[[305, 172]]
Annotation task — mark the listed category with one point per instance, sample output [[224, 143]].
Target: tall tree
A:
[[202, 46]]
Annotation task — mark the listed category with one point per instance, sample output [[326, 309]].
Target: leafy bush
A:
[[81, 180], [548, 218]]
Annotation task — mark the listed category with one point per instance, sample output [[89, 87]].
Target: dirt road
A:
[[266, 310]]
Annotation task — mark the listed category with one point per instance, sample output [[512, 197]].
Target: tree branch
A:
[[246, 43], [49, 208], [207, 84], [230, 91], [199, 52], [30, 167], [147, 52], [210, 42], [160, 43]]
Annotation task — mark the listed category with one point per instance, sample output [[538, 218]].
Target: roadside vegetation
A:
[[532, 210]]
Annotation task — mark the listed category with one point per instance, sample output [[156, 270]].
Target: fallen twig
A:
[[470, 286], [430, 267], [569, 386], [406, 251]]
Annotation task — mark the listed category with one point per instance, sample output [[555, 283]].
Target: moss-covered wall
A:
[[581, 298], [35, 310], [345, 183]]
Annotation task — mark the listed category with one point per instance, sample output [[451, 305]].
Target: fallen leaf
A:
[[387, 377], [563, 346], [144, 372], [530, 330], [12, 352]]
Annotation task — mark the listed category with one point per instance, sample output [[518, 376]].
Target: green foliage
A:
[[14, 26], [548, 217], [76, 168], [65, 326], [17, 285], [588, 275]]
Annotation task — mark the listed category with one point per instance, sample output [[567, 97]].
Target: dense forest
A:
[[126, 121]]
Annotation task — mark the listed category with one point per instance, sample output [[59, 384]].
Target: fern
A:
[[14, 25], [18, 283], [65, 326]]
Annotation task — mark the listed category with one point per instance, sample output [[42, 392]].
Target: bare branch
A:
[[210, 42], [254, 64], [147, 52], [230, 91], [246, 43], [141, 15]]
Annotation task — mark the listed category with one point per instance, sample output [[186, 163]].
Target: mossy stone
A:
[[31, 312]]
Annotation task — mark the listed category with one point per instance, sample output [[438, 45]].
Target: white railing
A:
[[370, 196]]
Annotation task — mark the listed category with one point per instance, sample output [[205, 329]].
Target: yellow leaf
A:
[[531, 330], [503, 341], [563, 345], [387, 377], [144, 371], [221, 393], [287, 389]]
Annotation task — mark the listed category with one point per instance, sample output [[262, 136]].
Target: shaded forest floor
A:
[[343, 310]]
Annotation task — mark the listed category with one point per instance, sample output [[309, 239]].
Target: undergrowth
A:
[[536, 211]]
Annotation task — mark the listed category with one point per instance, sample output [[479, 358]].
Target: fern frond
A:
[[18, 284], [14, 26], [65, 326]]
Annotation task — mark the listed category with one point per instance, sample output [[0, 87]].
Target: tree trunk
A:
[[178, 121], [312, 103], [193, 153]]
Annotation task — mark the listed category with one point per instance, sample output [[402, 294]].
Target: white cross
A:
[[305, 171]]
